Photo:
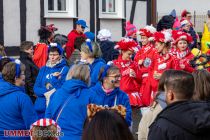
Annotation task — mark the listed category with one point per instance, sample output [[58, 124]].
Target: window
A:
[[108, 6], [111, 8], [60, 8]]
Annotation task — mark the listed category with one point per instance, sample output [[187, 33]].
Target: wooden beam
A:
[[1, 23]]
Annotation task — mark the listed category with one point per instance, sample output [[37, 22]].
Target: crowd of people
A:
[[79, 88]]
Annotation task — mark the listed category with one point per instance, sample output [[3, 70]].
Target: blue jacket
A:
[[95, 70], [45, 76], [76, 96], [101, 98], [16, 109]]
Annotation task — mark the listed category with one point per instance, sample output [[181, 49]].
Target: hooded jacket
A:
[[117, 95], [186, 120], [95, 67], [70, 44], [16, 109], [76, 96], [46, 76]]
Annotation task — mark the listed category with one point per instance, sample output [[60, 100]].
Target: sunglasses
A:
[[82, 27]]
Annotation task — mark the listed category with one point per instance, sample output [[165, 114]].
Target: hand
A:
[[157, 75], [182, 66], [132, 73], [48, 86], [56, 74], [140, 62]]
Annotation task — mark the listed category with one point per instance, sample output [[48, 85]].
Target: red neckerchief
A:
[[182, 54]]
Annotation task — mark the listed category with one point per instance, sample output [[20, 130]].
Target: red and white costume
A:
[[129, 83], [160, 63], [145, 54], [183, 57]]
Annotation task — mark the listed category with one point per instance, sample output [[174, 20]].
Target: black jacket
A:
[[182, 121], [30, 73], [108, 51]]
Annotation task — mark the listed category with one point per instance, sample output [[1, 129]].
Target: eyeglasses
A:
[[82, 27]]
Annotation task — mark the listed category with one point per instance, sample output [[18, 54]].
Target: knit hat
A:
[[127, 44], [130, 28], [60, 49], [179, 35], [104, 34], [90, 35]]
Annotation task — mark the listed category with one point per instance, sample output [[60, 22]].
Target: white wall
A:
[[115, 27], [32, 20], [11, 11], [84, 10], [140, 17], [64, 25], [166, 6]]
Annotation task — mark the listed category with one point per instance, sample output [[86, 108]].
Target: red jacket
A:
[[185, 60], [129, 84], [145, 53], [40, 54], [159, 65], [70, 44]]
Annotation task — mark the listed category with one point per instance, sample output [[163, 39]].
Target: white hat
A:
[[104, 34]]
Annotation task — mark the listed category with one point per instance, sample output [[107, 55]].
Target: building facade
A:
[[21, 19]]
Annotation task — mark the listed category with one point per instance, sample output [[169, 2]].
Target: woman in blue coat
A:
[[16, 108], [107, 93], [91, 54], [68, 105], [50, 78]]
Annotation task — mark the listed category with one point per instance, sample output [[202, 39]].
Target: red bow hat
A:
[[127, 44], [147, 31], [180, 35], [50, 28]]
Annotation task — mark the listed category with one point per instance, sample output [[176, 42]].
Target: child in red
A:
[[183, 54], [129, 70], [162, 61], [145, 54]]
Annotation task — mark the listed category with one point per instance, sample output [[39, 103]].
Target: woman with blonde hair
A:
[[91, 54], [68, 105]]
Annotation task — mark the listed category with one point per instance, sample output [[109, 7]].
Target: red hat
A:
[[147, 31], [179, 35], [130, 28], [50, 28], [127, 44], [163, 36], [184, 13]]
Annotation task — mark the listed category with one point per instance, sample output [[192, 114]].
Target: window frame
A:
[[69, 13], [119, 10]]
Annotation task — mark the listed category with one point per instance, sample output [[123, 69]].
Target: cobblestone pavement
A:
[[136, 116]]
